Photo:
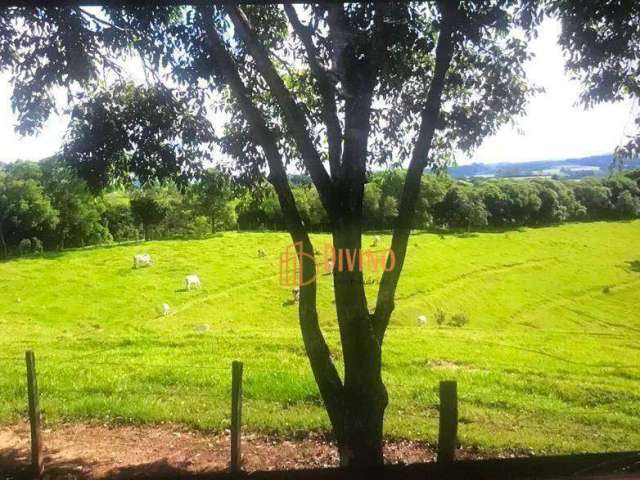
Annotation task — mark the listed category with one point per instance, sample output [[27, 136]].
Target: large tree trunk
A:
[[365, 397]]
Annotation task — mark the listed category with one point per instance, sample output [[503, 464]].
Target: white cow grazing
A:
[[192, 281], [422, 320], [142, 260], [296, 294], [166, 309], [376, 241]]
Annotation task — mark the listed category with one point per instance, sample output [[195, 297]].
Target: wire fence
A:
[[95, 377], [109, 400]]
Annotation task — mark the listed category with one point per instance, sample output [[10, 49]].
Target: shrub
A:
[[440, 316], [606, 290], [28, 246], [459, 320], [627, 206], [36, 246], [120, 222], [199, 227], [24, 247]]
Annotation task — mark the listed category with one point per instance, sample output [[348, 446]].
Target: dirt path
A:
[[83, 451]]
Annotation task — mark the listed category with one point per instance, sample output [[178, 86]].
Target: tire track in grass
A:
[[209, 296], [204, 297], [496, 268], [576, 298], [448, 284]]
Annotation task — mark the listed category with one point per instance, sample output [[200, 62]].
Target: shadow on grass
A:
[[615, 465], [634, 265], [453, 232], [160, 470], [15, 465], [56, 254]]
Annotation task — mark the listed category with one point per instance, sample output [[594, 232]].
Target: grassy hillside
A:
[[548, 361]]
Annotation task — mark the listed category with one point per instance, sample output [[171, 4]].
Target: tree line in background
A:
[[46, 206], [445, 203]]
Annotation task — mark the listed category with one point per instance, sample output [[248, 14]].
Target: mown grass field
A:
[[549, 362]]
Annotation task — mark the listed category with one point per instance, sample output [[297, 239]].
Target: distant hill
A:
[[567, 168]]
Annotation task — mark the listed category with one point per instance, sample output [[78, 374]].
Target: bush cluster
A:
[[469, 205], [45, 205]]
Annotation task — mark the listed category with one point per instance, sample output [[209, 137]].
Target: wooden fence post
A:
[[34, 414], [236, 416], [447, 435]]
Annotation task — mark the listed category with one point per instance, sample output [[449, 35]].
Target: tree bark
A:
[[365, 396], [356, 409], [326, 89], [293, 114], [364, 391]]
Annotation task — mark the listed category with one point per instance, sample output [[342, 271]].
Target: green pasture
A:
[[549, 361]]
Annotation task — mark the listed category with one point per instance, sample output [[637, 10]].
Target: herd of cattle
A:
[[193, 281]]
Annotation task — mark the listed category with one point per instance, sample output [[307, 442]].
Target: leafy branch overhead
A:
[[137, 133]]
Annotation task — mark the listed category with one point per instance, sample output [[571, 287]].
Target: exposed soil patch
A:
[[449, 365], [87, 451]]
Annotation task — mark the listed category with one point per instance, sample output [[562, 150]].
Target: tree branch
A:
[[359, 75], [324, 370], [444, 53], [99, 20], [294, 116], [326, 89], [340, 34]]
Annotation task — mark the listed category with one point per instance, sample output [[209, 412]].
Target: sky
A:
[[553, 128]]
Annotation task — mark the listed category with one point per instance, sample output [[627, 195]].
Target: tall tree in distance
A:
[[212, 192], [79, 211], [148, 208], [24, 210]]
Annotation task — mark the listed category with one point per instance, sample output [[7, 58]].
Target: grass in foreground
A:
[[548, 362]]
